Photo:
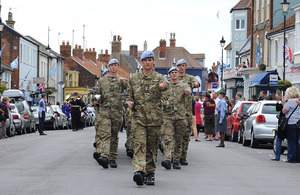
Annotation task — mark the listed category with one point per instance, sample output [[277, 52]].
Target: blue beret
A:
[[172, 69], [147, 54], [43, 95], [105, 71], [222, 92], [181, 61], [113, 61]]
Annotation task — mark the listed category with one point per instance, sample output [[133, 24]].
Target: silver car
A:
[[18, 120], [259, 126], [61, 117]]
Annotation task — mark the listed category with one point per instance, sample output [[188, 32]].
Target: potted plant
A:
[[285, 84], [49, 91]]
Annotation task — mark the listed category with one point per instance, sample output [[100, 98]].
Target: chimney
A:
[[162, 48], [10, 22], [104, 57], [133, 51], [89, 54], [78, 52], [145, 46], [172, 40], [116, 47], [65, 50]]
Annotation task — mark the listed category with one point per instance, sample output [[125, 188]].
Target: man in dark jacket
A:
[[281, 135]]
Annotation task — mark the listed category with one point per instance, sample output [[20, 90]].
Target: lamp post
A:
[[48, 49], [284, 6], [222, 43]]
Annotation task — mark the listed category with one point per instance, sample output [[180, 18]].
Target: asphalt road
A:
[[62, 163]]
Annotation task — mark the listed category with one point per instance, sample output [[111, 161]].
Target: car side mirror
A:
[[241, 115]]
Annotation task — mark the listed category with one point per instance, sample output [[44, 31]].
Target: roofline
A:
[[83, 66], [279, 31], [18, 34], [232, 9]]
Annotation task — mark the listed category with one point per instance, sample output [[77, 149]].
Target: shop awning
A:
[[261, 78]]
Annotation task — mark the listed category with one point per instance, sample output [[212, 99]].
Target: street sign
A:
[[273, 79], [214, 85], [37, 80]]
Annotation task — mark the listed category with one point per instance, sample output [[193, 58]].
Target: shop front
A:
[[234, 85]]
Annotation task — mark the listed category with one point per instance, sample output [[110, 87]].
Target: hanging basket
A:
[[285, 84]]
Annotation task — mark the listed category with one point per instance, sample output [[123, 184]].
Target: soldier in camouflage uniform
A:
[[192, 82], [144, 97], [109, 120], [174, 119], [129, 134]]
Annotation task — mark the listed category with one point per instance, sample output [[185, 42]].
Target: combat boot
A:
[[138, 178], [149, 179], [95, 145], [176, 166], [183, 161], [113, 164], [129, 153], [166, 164], [96, 155], [103, 161]]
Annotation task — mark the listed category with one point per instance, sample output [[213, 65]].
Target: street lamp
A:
[[285, 7], [222, 43]]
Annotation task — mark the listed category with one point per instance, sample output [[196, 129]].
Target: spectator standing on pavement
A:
[[232, 101], [58, 104], [194, 127], [238, 97], [5, 116], [293, 134], [42, 112], [280, 134], [209, 117], [66, 109], [221, 125], [144, 95], [198, 113], [253, 98], [262, 95], [217, 100]]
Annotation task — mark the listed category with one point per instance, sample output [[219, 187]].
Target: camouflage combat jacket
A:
[[111, 91], [190, 81], [174, 101], [147, 97]]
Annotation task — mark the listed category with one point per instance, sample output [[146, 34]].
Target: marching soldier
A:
[[174, 119], [76, 107], [192, 82], [109, 119], [144, 97], [129, 135]]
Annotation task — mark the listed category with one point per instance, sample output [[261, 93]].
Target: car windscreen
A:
[[269, 109], [20, 106], [54, 108], [245, 107]]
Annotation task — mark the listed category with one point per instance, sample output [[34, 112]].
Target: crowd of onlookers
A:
[[214, 117], [4, 106]]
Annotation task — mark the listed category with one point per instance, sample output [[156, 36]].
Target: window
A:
[[70, 80], [240, 24], [269, 109], [245, 107]]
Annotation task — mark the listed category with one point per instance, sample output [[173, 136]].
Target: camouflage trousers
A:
[[146, 140], [186, 135], [172, 138], [129, 136], [107, 139]]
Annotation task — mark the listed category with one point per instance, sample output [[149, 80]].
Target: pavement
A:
[[62, 163]]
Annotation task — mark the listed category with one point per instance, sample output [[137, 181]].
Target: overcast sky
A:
[[195, 22]]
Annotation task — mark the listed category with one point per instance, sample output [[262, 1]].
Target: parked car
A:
[[10, 127], [17, 97], [259, 126], [61, 117], [51, 121], [243, 117], [18, 120], [233, 120]]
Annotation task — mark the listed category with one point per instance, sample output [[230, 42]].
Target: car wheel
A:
[[234, 135], [245, 142], [240, 138], [254, 143]]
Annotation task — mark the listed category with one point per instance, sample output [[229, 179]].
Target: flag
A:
[[53, 70], [258, 54], [219, 68], [25, 78], [294, 70], [14, 64], [42, 88], [216, 79], [288, 53], [2, 50], [248, 63], [218, 14]]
